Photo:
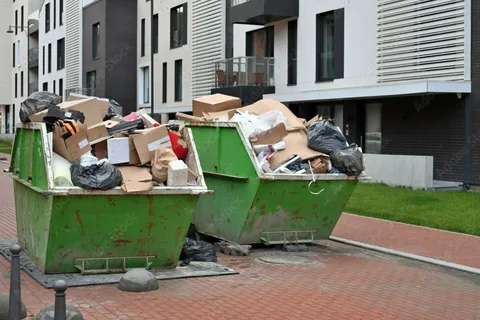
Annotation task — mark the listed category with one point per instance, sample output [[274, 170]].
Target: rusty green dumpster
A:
[[66, 230], [252, 207]]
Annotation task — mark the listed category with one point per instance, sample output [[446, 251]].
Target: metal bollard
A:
[[60, 287], [15, 302]]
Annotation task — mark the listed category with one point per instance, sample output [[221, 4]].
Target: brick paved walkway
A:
[[343, 282]]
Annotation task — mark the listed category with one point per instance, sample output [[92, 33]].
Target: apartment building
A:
[[109, 59], [396, 75], [51, 47], [189, 36], [6, 56]]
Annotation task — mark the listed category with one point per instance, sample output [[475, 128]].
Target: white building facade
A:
[[189, 38]]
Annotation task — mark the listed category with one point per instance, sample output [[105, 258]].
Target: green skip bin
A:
[[250, 206], [66, 230]]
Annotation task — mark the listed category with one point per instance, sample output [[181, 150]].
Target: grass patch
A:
[[453, 211], [5, 147]]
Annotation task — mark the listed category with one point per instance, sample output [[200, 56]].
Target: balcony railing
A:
[[245, 71], [32, 87], [237, 2], [33, 57], [83, 91]]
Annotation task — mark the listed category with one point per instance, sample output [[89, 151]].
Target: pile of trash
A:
[[283, 143], [95, 147]]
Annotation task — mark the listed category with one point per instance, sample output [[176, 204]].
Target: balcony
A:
[[262, 12], [32, 87], [247, 78], [33, 58]]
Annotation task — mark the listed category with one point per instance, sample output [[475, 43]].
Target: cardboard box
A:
[[271, 136], [94, 110], [118, 150], [149, 140], [214, 103], [74, 147], [220, 115], [296, 145], [309, 123], [97, 133], [136, 179], [267, 105], [189, 118]]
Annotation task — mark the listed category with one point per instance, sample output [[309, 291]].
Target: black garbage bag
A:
[[37, 102], [348, 161], [100, 176], [198, 250], [324, 137], [114, 110]]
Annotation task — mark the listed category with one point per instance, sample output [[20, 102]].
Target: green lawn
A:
[[5, 147], [453, 211]]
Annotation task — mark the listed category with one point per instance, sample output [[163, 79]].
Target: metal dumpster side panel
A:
[[33, 211], [28, 161], [286, 206], [118, 226], [230, 173]]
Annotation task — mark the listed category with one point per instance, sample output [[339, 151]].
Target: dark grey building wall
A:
[[430, 125], [475, 95], [94, 13], [117, 65], [121, 55]]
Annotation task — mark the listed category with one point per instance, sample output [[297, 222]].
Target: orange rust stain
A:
[[61, 247], [178, 235], [79, 220], [121, 242], [149, 226], [150, 206], [325, 218], [112, 203]]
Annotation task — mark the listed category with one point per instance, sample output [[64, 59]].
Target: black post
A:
[[15, 303], [60, 287], [152, 75]]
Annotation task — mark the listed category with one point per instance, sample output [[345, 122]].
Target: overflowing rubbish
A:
[[283, 143], [95, 147]]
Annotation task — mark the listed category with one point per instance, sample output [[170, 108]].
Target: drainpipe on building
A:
[[152, 75], [468, 142]]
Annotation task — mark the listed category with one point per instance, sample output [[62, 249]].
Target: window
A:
[[19, 54], [164, 83], [91, 83], [142, 39], [22, 19], [13, 118], [61, 54], [54, 87], [373, 128], [16, 21], [60, 14], [49, 57], [96, 41], [54, 14], [292, 52], [21, 84], [178, 80], [260, 43], [145, 90], [330, 45], [43, 60], [47, 17], [45, 86], [14, 53], [60, 87], [155, 33], [16, 85], [178, 26]]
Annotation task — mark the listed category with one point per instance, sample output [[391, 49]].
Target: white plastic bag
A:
[[270, 147], [61, 171]]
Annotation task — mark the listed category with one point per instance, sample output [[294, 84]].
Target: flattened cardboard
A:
[[309, 123], [136, 179], [272, 136], [191, 175], [149, 140], [73, 147], [94, 110], [220, 115], [187, 117], [101, 150], [296, 145], [266, 105], [214, 103]]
